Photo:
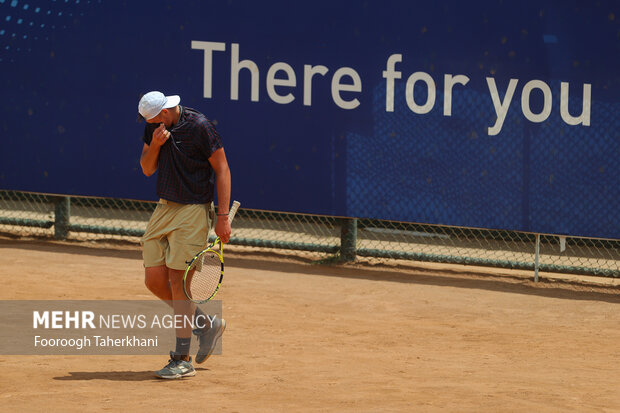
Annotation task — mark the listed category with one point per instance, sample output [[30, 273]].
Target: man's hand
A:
[[160, 136], [222, 228], [150, 153]]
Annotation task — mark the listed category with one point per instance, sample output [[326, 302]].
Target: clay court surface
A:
[[307, 337]]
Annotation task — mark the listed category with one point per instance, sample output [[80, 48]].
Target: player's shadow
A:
[[113, 375]]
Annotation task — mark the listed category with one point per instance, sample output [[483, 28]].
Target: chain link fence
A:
[[334, 239]]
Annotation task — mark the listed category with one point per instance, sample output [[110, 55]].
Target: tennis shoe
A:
[[208, 338], [176, 368]]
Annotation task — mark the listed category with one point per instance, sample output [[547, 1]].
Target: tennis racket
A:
[[205, 272]]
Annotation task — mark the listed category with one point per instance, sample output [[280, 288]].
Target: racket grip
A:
[[233, 211]]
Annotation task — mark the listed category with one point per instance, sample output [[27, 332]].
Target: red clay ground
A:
[[305, 337]]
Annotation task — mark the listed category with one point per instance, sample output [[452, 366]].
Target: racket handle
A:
[[233, 211]]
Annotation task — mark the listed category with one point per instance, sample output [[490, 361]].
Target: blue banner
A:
[[486, 114]]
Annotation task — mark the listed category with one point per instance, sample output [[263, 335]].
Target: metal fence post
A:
[[537, 259], [348, 239], [62, 213]]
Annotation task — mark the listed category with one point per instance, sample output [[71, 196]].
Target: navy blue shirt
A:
[[184, 173]]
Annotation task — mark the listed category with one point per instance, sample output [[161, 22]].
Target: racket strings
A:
[[204, 281]]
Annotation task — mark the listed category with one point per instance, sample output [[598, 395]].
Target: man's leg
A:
[[170, 289], [182, 308], [156, 280], [156, 250], [209, 329]]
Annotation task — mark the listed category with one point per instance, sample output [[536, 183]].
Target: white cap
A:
[[153, 102]]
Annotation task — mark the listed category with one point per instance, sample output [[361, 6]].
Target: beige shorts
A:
[[175, 233]]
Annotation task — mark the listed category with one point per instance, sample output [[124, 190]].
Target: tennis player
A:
[[186, 150]]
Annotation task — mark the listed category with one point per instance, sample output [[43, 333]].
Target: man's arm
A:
[[150, 153], [222, 182]]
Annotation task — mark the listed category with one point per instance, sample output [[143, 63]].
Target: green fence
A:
[[334, 239]]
